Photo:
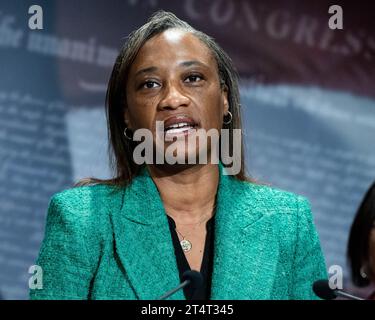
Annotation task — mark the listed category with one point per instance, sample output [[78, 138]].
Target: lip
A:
[[176, 119], [182, 118]]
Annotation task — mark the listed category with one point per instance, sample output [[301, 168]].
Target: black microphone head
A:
[[195, 278], [322, 289]]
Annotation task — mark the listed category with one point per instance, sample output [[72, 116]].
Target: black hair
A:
[[359, 238]]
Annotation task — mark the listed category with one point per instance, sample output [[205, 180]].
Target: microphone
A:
[[322, 289], [189, 278]]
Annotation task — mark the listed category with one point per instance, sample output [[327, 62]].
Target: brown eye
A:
[[149, 85], [194, 78]]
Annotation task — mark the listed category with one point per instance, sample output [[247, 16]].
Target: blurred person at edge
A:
[[361, 248], [133, 236]]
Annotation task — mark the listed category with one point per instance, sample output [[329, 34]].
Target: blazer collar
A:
[[243, 241]]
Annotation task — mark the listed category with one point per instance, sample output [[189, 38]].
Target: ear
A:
[[224, 95], [127, 118]]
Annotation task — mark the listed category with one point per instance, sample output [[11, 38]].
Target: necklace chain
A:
[[195, 226], [185, 243]]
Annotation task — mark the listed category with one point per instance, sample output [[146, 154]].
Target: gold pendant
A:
[[186, 245]]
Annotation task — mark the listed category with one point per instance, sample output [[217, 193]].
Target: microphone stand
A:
[[347, 295], [170, 292]]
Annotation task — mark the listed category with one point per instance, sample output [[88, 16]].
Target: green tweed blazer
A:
[[107, 243]]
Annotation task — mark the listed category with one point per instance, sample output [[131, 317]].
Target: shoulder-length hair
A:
[[121, 149], [359, 238]]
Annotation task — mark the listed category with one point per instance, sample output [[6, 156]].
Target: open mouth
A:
[[179, 125], [179, 128]]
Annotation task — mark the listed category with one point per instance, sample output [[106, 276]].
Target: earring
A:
[[363, 273], [126, 136], [230, 120]]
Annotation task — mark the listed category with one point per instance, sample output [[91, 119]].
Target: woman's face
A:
[[174, 79]]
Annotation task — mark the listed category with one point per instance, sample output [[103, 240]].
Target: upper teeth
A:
[[178, 125]]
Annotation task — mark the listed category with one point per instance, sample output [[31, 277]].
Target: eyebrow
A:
[[192, 63], [146, 70], [184, 64]]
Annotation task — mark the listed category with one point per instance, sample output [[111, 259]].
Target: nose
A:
[[173, 98]]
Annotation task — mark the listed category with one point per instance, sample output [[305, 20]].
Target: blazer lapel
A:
[[143, 242], [246, 248], [245, 251]]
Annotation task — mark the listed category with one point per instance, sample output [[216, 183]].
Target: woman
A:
[[133, 237], [361, 247]]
